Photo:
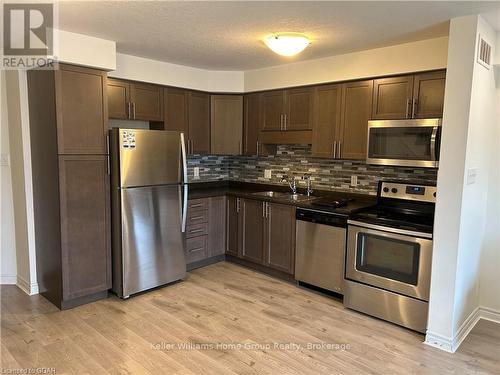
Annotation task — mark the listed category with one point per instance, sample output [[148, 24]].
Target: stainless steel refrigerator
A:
[[149, 205]]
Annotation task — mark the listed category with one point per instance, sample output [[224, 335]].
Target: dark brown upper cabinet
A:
[[327, 102], [251, 123], [392, 97], [428, 94], [198, 123], [175, 104], [412, 96], [273, 108], [299, 109], [80, 95], [135, 101], [226, 124], [287, 110], [356, 110], [279, 237]]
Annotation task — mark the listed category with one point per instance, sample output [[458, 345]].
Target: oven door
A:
[[398, 262], [408, 143]]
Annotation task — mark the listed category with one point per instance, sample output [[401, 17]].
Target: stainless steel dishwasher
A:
[[320, 249]]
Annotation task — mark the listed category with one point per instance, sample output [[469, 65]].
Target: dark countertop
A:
[[246, 190]]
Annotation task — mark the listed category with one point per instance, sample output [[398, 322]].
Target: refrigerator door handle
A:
[[184, 193], [184, 159]]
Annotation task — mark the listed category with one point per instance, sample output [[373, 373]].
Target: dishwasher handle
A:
[[324, 218]]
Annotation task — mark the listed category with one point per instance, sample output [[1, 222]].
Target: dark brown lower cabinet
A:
[[85, 224], [262, 233], [205, 230], [279, 237], [253, 230]]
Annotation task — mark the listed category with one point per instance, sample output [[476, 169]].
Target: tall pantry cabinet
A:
[[70, 166]]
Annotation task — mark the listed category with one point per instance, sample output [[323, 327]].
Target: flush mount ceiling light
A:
[[287, 44]]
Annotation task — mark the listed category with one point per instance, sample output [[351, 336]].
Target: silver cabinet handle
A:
[[108, 168], [237, 204], [128, 110], [196, 230], [281, 122], [413, 107], [196, 205], [263, 209], [407, 107], [257, 148], [196, 249], [267, 210], [286, 120], [334, 149], [340, 149], [239, 148], [133, 109]]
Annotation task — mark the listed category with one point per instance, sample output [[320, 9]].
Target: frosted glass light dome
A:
[[287, 44]]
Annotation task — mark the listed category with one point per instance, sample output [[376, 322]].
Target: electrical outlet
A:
[[267, 173], [471, 176], [196, 172], [4, 159], [354, 180]]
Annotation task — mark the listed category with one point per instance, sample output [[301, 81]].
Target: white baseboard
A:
[[8, 279], [451, 344], [490, 314], [26, 287]]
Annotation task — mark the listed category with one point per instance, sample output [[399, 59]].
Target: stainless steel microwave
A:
[[407, 143]]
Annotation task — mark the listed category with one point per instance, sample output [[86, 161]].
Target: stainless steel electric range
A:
[[389, 253]]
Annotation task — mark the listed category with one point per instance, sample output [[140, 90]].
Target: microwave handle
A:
[[433, 144]]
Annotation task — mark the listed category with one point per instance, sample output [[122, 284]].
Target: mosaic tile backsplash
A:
[[326, 174]]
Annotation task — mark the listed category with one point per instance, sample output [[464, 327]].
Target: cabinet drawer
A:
[[198, 204], [196, 248], [197, 217], [195, 230]]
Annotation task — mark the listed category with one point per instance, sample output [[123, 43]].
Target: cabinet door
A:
[[82, 114], [118, 99], [356, 110], [175, 115], [252, 122], [233, 227], [85, 224], [199, 123], [428, 94], [279, 244], [299, 109], [147, 102], [253, 230], [216, 226], [392, 97], [273, 105], [327, 102], [226, 125]]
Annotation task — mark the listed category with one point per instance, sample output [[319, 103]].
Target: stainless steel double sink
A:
[[283, 196]]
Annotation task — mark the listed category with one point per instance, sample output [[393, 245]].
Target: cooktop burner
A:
[[379, 216]]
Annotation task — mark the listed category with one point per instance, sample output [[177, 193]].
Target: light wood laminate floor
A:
[[225, 304]]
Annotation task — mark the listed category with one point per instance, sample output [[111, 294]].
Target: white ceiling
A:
[[228, 35]]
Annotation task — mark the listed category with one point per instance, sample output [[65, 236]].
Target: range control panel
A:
[[421, 193]]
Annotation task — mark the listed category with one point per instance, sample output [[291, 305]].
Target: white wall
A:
[[467, 144], [84, 50], [22, 193], [490, 262], [410, 57], [147, 70], [8, 264]]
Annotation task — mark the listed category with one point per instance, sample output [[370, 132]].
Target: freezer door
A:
[[150, 157], [152, 239]]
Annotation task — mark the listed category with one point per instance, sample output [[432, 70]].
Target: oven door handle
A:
[[403, 232]]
